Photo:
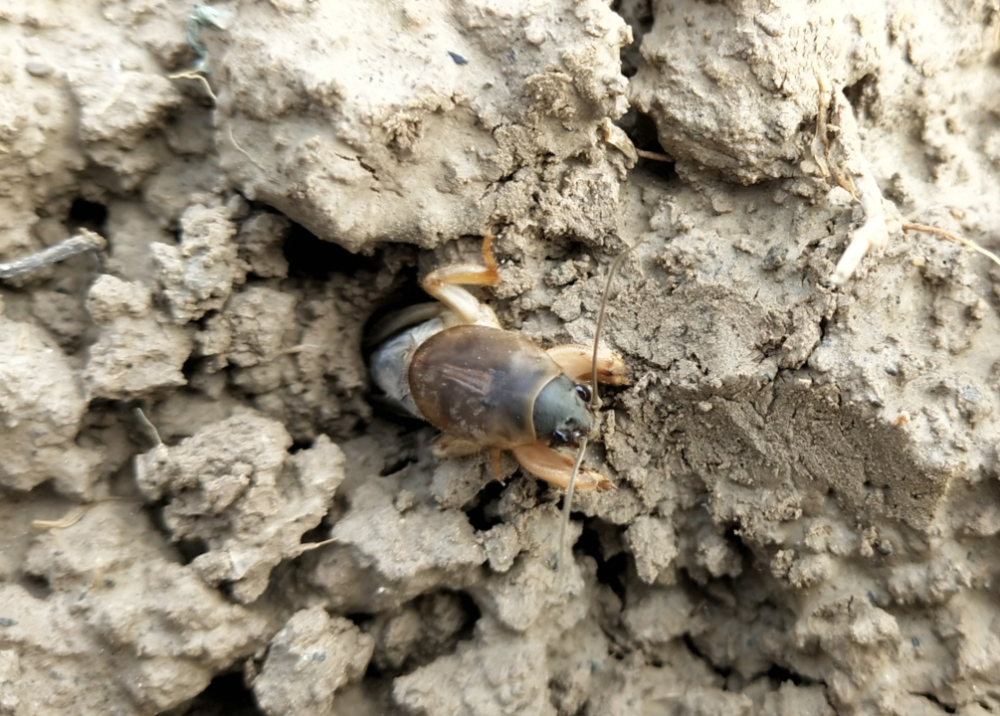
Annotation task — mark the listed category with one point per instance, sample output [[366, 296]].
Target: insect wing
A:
[[475, 381], [480, 383]]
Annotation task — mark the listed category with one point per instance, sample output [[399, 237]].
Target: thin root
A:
[[846, 183], [859, 181], [72, 517], [243, 151], [196, 75], [148, 426], [655, 156], [851, 171], [310, 546], [86, 241], [68, 520], [955, 238], [821, 140]]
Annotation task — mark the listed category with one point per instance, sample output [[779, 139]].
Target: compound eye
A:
[[584, 393]]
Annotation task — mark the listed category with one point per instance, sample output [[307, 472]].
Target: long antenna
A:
[[595, 405], [568, 502], [595, 398]]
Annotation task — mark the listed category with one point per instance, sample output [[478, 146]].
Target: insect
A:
[[451, 363]]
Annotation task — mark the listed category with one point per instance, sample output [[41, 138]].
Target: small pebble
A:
[[37, 68]]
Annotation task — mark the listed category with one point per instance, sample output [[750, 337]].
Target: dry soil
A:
[[205, 510]]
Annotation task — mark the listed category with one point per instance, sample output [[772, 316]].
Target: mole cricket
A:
[[451, 363]]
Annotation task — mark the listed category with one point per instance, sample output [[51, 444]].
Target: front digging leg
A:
[[555, 467]]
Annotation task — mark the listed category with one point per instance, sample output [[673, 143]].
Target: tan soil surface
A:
[[808, 458]]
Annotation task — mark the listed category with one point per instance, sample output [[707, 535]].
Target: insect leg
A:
[[445, 284], [495, 456], [556, 468], [446, 446], [576, 362]]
